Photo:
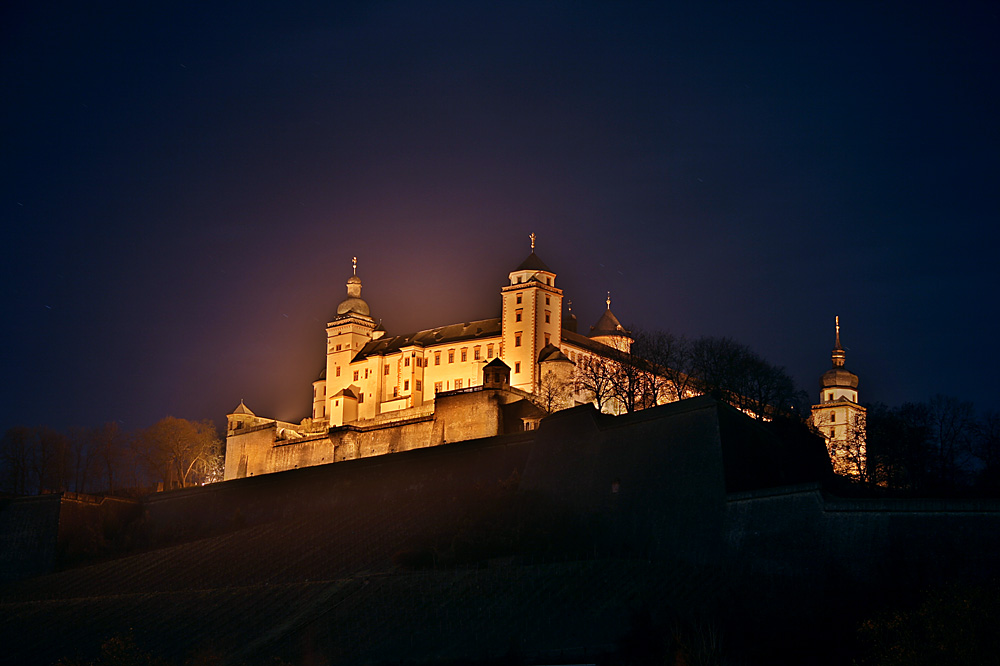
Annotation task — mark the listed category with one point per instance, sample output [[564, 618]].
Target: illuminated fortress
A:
[[380, 394]]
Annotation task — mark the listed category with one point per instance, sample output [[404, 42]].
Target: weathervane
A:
[[355, 262], [532, 237]]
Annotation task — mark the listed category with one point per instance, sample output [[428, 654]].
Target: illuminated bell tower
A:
[[839, 417], [531, 318], [350, 330]]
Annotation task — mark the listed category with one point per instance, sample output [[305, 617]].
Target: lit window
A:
[[519, 299], [437, 358], [406, 384], [451, 355], [458, 383], [489, 351], [437, 387], [465, 355], [517, 339], [517, 366], [475, 354], [548, 317], [356, 375], [517, 315]]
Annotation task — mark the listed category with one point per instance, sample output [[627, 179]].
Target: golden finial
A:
[[836, 320], [609, 300], [355, 262], [532, 237]]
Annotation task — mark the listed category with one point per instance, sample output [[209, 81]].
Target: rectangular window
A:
[[451, 355], [338, 370], [356, 375], [489, 351], [366, 373], [437, 387], [517, 315], [546, 299], [338, 347], [361, 398], [475, 354], [517, 366], [548, 317], [458, 383], [406, 362], [517, 339], [519, 299], [465, 355], [546, 338], [437, 358], [406, 384], [386, 369], [395, 391], [416, 384]]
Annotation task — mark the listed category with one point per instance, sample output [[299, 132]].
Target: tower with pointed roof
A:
[[530, 319], [609, 331], [337, 393], [838, 417]]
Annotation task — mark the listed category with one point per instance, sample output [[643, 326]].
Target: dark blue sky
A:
[[183, 187]]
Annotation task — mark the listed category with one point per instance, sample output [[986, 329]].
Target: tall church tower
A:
[[531, 318], [351, 329], [839, 417]]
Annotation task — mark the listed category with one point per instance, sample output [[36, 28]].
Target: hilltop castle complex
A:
[[380, 394]]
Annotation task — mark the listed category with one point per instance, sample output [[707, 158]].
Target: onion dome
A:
[[354, 304], [838, 376]]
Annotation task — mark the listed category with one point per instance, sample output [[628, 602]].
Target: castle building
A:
[[839, 418], [373, 381]]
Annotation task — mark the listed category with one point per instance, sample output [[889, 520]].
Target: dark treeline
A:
[[934, 447], [109, 460], [929, 448]]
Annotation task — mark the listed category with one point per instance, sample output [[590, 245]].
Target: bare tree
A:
[[669, 360], [553, 393], [592, 378], [181, 452], [736, 374], [15, 457], [849, 455]]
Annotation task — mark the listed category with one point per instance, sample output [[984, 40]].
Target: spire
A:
[[838, 356]]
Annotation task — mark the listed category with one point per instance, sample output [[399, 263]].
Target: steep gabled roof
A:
[[483, 328]]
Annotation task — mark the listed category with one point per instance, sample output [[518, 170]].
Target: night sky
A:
[[183, 187]]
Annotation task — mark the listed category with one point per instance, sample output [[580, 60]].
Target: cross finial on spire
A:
[[532, 237], [355, 262], [609, 300]]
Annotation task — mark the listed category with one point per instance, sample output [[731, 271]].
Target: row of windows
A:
[[519, 315]]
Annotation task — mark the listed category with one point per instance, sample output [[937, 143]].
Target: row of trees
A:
[[661, 367], [930, 447], [107, 459]]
